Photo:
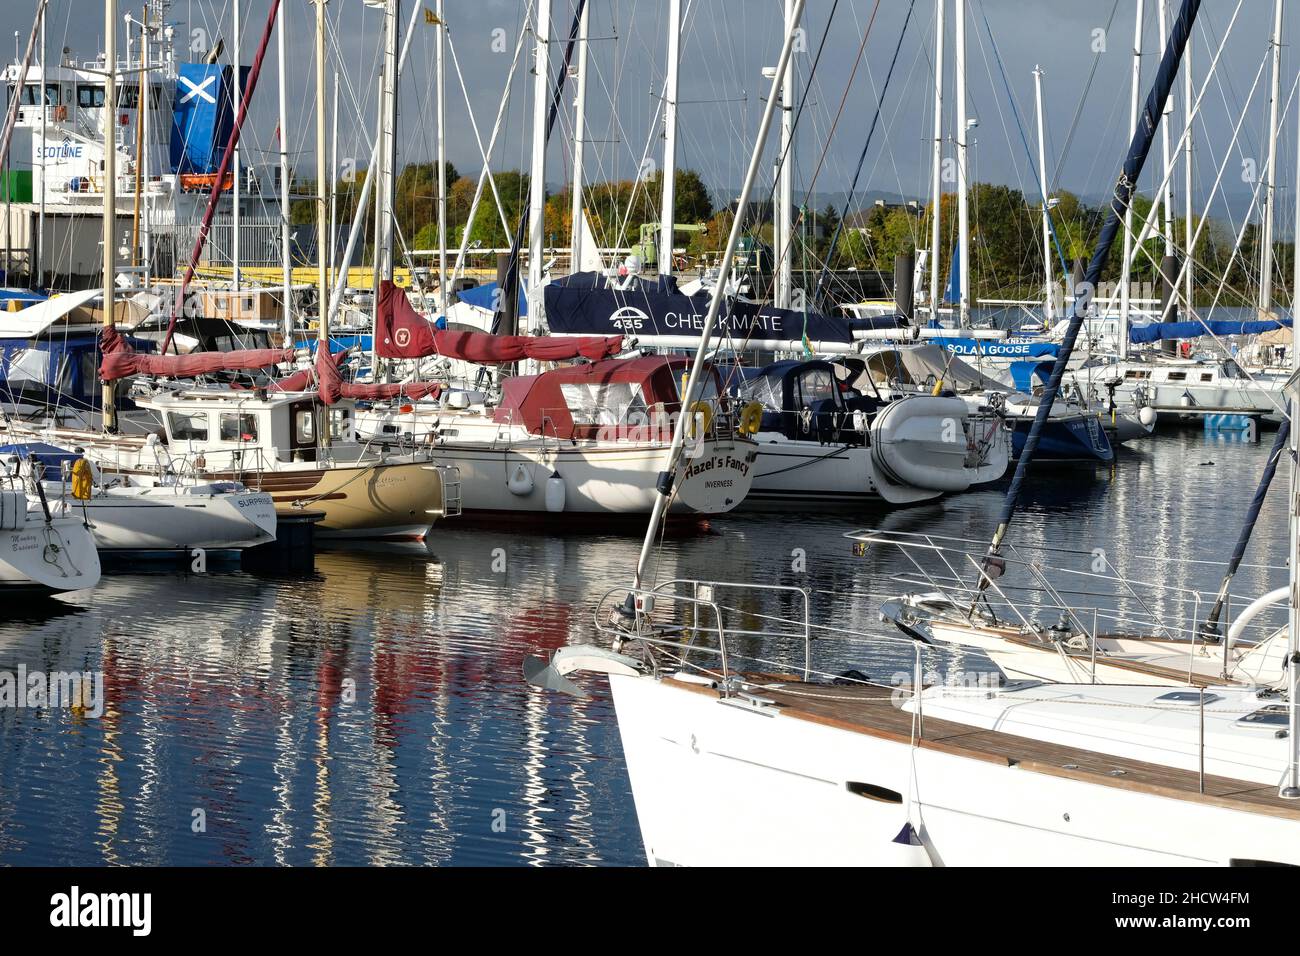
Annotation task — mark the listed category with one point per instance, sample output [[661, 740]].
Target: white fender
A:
[[921, 441], [555, 494], [520, 481]]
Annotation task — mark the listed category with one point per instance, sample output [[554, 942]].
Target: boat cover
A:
[[402, 332]]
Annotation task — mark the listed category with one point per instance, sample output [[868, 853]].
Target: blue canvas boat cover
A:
[[1156, 331]]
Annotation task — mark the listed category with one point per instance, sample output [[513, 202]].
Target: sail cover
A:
[[402, 332], [578, 306], [1140, 334], [331, 386], [121, 360]]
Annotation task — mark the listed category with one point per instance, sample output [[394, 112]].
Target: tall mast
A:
[[334, 172], [109, 240], [936, 168], [444, 293], [668, 176], [1189, 233], [1126, 270], [322, 277], [537, 169], [579, 143], [1266, 239], [238, 184], [388, 155], [963, 169], [785, 181], [666, 477], [286, 267], [145, 121], [45, 110], [1168, 160], [1291, 783], [1042, 182]]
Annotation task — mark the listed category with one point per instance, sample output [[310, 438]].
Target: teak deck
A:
[[870, 710]]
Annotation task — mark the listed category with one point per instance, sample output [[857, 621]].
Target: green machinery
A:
[[647, 249]]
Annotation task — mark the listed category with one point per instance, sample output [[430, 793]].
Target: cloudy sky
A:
[[1084, 47]]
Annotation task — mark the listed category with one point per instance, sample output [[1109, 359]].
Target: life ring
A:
[[701, 413], [751, 418], [82, 480]]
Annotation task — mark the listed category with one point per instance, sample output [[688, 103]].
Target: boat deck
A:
[[870, 710]]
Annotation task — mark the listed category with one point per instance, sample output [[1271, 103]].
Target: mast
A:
[[936, 167], [45, 108], [1291, 784], [1139, 148], [537, 169], [443, 292], [1266, 239], [1042, 182], [1126, 270], [579, 142], [322, 278], [1168, 165], [666, 477], [668, 176], [286, 266], [785, 182], [238, 185], [334, 172], [963, 169], [388, 156], [1189, 234], [109, 240]]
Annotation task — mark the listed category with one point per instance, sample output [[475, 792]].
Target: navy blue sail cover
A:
[[590, 307]]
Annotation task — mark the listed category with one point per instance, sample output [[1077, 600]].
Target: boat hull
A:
[[724, 784], [179, 522], [1078, 438], [810, 476], [48, 558], [393, 500], [611, 480]]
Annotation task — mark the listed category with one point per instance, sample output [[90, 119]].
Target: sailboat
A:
[[784, 765]]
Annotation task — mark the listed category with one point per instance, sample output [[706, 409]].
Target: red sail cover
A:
[[332, 387], [402, 332], [121, 361]]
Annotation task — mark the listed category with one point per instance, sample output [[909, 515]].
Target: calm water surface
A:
[[373, 712]]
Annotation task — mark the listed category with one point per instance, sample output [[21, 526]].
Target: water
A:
[[374, 712]]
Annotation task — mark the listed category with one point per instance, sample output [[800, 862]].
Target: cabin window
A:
[[815, 386], [128, 96], [239, 427], [185, 426], [766, 390], [89, 96], [1137, 373], [29, 366], [304, 425], [603, 403], [1177, 376], [1207, 376]]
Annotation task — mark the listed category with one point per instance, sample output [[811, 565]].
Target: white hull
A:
[[718, 784], [614, 478], [160, 519], [809, 475], [48, 558]]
